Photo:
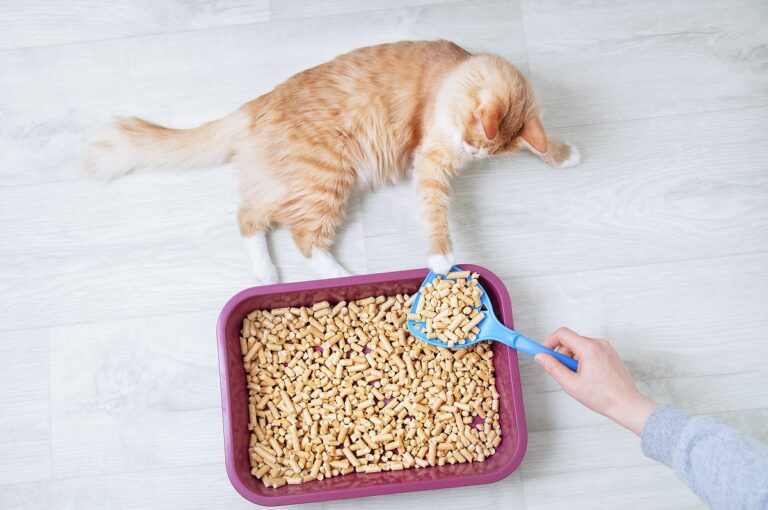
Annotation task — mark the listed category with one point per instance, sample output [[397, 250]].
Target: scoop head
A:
[[418, 328]]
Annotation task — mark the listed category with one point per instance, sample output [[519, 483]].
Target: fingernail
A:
[[539, 359]]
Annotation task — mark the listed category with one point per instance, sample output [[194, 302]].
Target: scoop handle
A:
[[528, 346], [517, 341]]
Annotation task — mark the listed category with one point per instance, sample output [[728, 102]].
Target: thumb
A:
[[554, 368]]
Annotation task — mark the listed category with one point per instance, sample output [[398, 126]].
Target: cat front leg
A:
[[441, 264], [561, 154], [433, 172], [554, 152]]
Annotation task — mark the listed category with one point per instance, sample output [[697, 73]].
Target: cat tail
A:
[[130, 143]]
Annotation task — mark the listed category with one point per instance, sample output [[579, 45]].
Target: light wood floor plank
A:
[[25, 436], [43, 23], [653, 487], [134, 395], [605, 61], [291, 9]]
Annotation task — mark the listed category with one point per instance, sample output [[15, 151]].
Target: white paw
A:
[[324, 265], [574, 158], [441, 264], [108, 154], [265, 274]]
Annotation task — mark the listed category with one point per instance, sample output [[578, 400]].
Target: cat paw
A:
[[265, 274], [441, 264], [324, 265], [108, 154], [574, 157]]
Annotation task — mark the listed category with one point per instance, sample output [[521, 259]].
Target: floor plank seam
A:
[[611, 424], [631, 266], [678, 115], [123, 473], [595, 469], [366, 11]]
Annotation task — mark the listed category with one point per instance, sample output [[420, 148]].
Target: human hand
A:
[[602, 382]]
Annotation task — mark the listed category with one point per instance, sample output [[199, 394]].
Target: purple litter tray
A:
[[234, 395]]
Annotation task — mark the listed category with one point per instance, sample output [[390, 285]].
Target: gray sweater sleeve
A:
[[726, 469]]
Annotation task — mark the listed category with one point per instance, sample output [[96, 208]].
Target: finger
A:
[[570, 339], [552, 342], [566, 351], [557, 370]]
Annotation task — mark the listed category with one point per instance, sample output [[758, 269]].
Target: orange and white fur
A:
[[368, 117]]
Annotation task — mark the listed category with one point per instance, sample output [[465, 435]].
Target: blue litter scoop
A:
[[489, 326]]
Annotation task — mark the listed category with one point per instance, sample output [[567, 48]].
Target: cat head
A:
[[486, 107]]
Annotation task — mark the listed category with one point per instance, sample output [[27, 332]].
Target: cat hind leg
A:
[[253, 227], [313, 226]]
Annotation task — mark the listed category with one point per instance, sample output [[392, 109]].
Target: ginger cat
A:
[[368, 117]]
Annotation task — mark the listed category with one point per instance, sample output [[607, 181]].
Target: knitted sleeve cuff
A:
[[661, 433]]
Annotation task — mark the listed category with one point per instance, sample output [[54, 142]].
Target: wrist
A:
[[634, 412]]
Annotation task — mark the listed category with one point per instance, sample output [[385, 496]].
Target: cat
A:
[[368, 117]]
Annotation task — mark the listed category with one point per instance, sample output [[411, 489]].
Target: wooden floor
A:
[[109, 393]]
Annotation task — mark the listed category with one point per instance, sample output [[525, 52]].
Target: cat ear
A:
[[489, 116], [533, 133]]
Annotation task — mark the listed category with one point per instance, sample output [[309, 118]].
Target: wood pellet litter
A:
[[337, 388]]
